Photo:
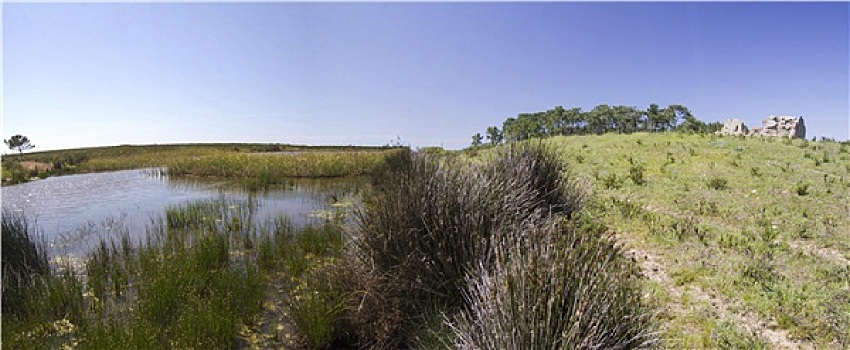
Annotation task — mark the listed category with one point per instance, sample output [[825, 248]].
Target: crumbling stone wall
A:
[[781, 126], [773, 126]]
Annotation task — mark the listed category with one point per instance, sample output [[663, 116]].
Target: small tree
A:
[[20, 143], [494, 135], [476, 139]]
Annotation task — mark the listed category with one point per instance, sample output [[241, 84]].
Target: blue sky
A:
[[432, 74]]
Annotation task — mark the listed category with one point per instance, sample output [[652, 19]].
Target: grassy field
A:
[[637, 241], [745, 241], [261, 163]]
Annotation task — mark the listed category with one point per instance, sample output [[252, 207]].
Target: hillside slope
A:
[[745, 242]]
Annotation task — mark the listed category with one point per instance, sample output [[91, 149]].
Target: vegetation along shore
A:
[[258, 163]]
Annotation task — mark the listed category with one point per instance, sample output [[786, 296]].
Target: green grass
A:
[[194, 281], [761, 225], [269, 169]]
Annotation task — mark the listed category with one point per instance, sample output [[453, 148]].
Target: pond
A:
[[74, 212]]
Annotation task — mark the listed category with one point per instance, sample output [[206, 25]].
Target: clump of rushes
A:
[[554, 285], [433, 221], [316, 304], [24, 261]]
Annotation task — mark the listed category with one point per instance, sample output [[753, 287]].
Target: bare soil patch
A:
[[41, 167]]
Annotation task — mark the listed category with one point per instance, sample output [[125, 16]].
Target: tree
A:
[[600, 119], [19, 143], [476, 139], [494, 135], [626, 119], [653, 118]]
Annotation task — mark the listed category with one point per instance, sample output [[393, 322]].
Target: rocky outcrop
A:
[[733, 127], [773, 126], [781, 126]]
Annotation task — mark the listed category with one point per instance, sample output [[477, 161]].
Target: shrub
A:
[[802, 189], [13, 172], [431, 221], [636, 172], [718, 183], [554, 286], [612, 181]]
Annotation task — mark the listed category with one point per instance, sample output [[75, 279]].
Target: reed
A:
[[270, 169], [39, 305], [259, 165], [554, 285], [180, 289], [24, 261]]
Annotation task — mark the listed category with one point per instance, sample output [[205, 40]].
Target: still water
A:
[[74, 212]]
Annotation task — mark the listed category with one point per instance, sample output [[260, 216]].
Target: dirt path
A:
[[655, 270]]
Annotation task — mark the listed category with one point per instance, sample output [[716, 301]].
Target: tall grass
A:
[[24, 261], [554, 286], [258, 165], [273, 168], [39, 308], [433, 222], [191, 283], [185, 286], [274, 161]]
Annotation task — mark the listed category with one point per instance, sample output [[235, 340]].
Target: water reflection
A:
[[74, 212]]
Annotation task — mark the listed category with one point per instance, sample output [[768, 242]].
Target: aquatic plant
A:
[[24, 261]]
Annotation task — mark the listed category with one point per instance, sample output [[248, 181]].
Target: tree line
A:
[[601, 119]]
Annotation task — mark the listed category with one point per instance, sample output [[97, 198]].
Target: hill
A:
[[745, 241]]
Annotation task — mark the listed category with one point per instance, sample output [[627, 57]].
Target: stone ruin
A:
[[733, 127], [783, 126], [773, 126]]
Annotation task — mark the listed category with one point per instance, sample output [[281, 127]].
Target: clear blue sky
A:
[[433, 74]]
